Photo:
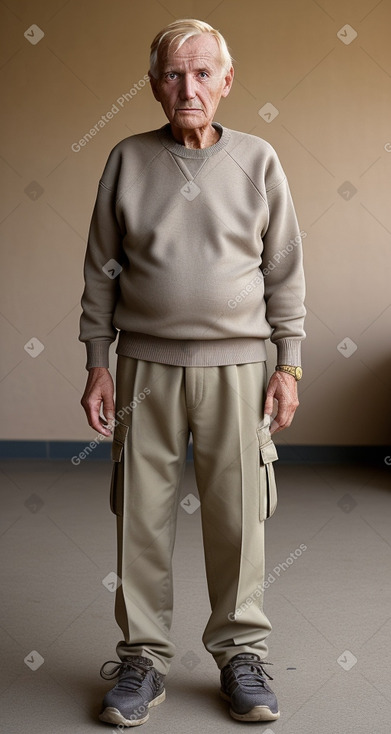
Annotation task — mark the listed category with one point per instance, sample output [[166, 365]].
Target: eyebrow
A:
[[171, 68]]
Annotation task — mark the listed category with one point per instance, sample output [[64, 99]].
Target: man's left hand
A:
[[283, 388]]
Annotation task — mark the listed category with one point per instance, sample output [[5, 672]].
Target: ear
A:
[[228, 79], [154, 86]]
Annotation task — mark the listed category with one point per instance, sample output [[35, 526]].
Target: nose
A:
[[188, 87]]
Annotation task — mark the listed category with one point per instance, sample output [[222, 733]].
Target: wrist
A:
[[295, 371]]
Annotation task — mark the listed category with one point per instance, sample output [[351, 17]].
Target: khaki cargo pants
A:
[[157, 406]]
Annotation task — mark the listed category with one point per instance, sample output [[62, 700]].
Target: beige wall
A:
[[333, 126]]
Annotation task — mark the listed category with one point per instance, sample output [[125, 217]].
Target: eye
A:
[[171, 75], [203, 74]]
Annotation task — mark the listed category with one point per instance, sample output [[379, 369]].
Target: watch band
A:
[[296, 372]]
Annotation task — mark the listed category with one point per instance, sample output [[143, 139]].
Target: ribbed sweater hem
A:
[[191, 353]]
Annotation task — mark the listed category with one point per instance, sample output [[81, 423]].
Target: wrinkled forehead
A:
[[197, 52]]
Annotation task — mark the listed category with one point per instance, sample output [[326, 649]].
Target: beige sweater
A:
[[194, 255]]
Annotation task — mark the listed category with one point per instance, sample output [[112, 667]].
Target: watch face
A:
[[299, 373]]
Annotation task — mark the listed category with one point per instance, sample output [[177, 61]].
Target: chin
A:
[[188, 120]]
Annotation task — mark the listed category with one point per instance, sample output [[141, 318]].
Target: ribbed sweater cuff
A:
[[98, 353], [289, 352]]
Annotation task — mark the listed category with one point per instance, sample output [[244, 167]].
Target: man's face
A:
[[191, 83]]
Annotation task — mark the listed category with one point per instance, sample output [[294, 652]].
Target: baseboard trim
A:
[[78, 451]]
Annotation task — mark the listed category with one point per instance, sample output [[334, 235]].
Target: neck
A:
[[198, 138]]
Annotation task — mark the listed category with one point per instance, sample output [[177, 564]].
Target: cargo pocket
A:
[[268, 487], [117, 476]]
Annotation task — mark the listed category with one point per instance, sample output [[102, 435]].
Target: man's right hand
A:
[[99, 392]]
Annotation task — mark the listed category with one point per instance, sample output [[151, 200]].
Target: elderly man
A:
[[194, 257]]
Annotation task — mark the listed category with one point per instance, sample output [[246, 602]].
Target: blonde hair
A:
[[179, 31]]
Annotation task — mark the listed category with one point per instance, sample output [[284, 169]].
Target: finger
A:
[[96, 421], [108, 411], [284, 418], [274, 426], [269, 401], [269, 404], [109, 421]]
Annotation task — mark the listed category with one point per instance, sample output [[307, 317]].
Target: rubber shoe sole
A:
[[112, 716], [258, 713]]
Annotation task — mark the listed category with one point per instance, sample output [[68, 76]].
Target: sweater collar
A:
[[169, 142]]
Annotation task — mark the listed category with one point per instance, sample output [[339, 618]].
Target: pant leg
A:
[[224, 421], [149, 446]]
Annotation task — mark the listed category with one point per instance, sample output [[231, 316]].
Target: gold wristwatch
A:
[[296, 372]]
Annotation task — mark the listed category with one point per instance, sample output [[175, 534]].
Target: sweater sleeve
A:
[[282, 267], [102, 269]]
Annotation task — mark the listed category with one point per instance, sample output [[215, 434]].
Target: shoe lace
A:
[[250, 674], [131, 673]]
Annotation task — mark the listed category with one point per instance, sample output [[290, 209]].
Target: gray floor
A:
[[330, 607]]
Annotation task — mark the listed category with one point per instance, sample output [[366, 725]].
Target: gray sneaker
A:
[[243, 683], [139, 687]]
